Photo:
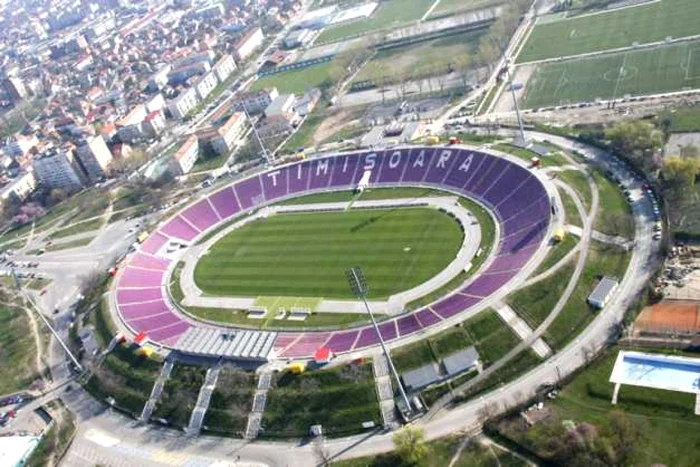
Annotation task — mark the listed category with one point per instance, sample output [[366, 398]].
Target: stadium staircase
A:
[[385, 391], [200, 409], [156, 391], [259, 402]]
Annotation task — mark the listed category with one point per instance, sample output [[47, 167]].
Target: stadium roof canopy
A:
[[461, 361], [234, 344], [420, 377]]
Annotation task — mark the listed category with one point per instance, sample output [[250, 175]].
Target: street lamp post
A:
[[358, 284]]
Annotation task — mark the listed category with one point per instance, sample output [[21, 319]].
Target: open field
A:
[[615, 29], [665, 418], [297, 81], [340, 399], [389, 14], [578, 181], [572, 216], [453, 7], [558, 252], [649, 71], [615, 213], [307, 254], [683, 119], [17, 349], [80, 227], [422, 59]]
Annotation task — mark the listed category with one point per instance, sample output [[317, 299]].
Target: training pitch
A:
[[306, 255], [649, 71], [625, 27]]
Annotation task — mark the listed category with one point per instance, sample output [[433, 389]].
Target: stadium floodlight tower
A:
[[266, 156], [359, 287], [521, 126], [18, 286]]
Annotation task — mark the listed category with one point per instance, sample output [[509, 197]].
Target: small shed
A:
[[603, 292], [420, 377], [461, 361]]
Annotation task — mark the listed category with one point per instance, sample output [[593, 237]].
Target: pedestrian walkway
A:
[[602, 237], [200, 409], [259, 402], [520, 327], [385, 391], [156, 391]]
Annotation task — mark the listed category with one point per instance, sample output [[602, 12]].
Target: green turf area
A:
[[303, 137], [231, 402], [69, 245], [307, 254], [491, 336], [297, 81], [180, 394], [579, 182], [441, 452], [682, 119], [422, 59], [412, 356], [614, 212], [571, 212], [126, 377], [535, 303], [17, 349], [621, 28], [557, 253], [453, 7], [367, 195], [81, 227], [665, 418], [553, 159], [640, 72], [602, 260], [389, 14], [340, 399]]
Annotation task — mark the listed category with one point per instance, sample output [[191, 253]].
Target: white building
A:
[[247, 44], [185, 157], [58, 168], [298, 38], [201, 57], [181, 105], [224, 67], [130, 127], [255, 102], [205, 85], [154, 124], [160, 78], [182, 74], [19, 145], [227, 136], [19, 188], [282, 107], [95, 157], [156, 102]]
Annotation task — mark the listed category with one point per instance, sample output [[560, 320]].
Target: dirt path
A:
[[330, 126]]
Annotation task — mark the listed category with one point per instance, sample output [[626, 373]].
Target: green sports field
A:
[[649, 71], [306, 255], [611, 30]]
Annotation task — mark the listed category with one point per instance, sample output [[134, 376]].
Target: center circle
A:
[[621, 73]]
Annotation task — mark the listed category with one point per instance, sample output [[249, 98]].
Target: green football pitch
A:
[[610, 30], [306, 254], [649, 71]]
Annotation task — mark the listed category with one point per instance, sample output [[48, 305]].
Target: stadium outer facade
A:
[[518, 198]]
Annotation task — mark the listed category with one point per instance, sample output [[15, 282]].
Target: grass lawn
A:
[[389, 14], [340, 399], [297, 81], [683, 119], [180, 394], [68, 245], [603, 260], [571, 213], [126, 377], [81, 227], [491, 336], [425, 59], [230, 403], [452, 7], [614, 213], [554, 159], [578, 181], [535, 303], [412, 356], [304, 135], [669, 426], [307, 254], [367, 195], [647, 71], [557, 252], [17, 349], [621, 28]]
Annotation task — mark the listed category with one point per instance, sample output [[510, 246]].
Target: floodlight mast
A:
[[358, 284], [18, 285], [515, 102]]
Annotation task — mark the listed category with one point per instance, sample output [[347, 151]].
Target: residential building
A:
[[19, 145], [205, 85], [306, 103], [182, 74], [95, 157], [202, 57], [247, 44], [225, 138], [156, 102], [185, 157], [224, 67], [20, 187], [298, 38], [255, 102], [282, 108], [130, 127], [14, 88], [160, 78], [154, 123], [181, 105], [58, 168]]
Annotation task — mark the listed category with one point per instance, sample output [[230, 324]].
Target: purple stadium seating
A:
[[179, 229], [299, 177], [408, 325], [126, 296], [201, 215], [169, 332], [344, 173], [417, 163], [148, 262], [368, 337], [392, 168], [388, 330], [427, 318], [154, 243], [320, 174], [249, 192], [453, 305], [141, 310], [306, 345], [148, 323], [512, 261], [485, 285], [342, 341], [141, 278], [275, 183], [225, 202]]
